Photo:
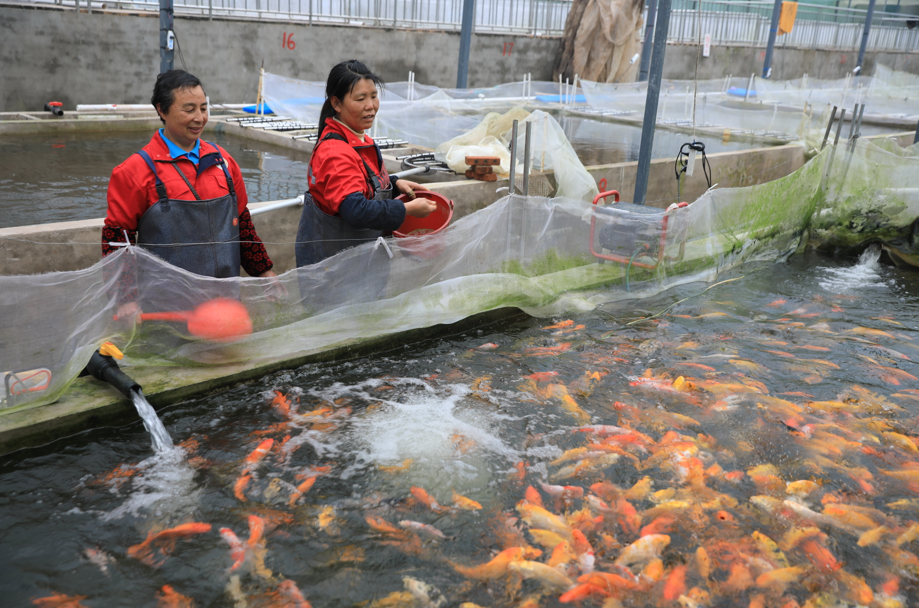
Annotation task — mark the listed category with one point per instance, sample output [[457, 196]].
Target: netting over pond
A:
[[544, 256]]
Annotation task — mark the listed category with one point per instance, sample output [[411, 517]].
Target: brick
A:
[[483, 170], [483, 160], [486, 177]]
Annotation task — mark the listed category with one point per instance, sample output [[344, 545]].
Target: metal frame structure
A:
[[730, 22]]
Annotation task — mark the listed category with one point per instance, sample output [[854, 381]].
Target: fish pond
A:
[[751, 443]]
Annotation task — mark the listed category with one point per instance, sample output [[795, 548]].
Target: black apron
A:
[[200, 236], [320, 235]]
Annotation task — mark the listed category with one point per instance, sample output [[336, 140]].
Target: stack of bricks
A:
[[482, 168]]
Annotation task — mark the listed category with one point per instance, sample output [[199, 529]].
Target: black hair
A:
[[167, 84], [341, 81]]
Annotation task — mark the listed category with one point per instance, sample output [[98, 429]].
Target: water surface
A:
[[795, 372]]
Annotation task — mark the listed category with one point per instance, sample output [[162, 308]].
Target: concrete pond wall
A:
[[56, 53], [28, 249]]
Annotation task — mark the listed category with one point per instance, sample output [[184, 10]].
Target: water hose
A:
[[102, 367]]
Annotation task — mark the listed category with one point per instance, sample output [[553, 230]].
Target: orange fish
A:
[[676, 584], [256, 530], [59, 600], [561, 325], [170, 598], [291, 595], [582, 591], [426, 499], [531, 495], [541, 351], [239, 488], [819, 555], [258, 454], [541, 376], [302, 489], [493, 569], [237, 549], [281, 404], [777, 303], [144, 550], [697, 365]]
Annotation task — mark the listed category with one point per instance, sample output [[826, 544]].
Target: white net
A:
[[541, 255]]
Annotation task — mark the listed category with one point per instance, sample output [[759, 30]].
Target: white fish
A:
[[417, 526]]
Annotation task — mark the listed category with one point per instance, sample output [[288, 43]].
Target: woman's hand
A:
[[406, 187], [129, 312], [275, 290], [420, 207]]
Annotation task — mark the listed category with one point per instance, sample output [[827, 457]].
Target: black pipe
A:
[[103, 367], [55, 107]]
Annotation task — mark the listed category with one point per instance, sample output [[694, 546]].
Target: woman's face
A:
[[186, 117], [359, 107]]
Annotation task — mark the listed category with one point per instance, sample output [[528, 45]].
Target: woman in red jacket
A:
[[350, 199], [181, 198]]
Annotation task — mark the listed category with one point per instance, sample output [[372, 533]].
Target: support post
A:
[[654, 91], [167, 39], [916, 137], [861, 49], [646, 46], [773, 32], [462, 70]]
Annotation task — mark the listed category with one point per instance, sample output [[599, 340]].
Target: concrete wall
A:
[[787, 63], [113, 57]]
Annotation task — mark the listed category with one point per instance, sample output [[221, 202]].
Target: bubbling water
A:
[[864, 275]]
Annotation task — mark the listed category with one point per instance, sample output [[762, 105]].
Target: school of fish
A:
[[743, 467]]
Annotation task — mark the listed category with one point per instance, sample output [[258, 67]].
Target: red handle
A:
[[180, 316], [166, 316], [605, 194]]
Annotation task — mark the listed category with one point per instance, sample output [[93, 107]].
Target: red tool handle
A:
[[180, 316]]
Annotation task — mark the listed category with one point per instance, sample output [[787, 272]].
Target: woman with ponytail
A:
[[350, 197]]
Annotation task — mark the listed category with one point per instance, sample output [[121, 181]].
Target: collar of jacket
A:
[[159, 152], [333, 126]]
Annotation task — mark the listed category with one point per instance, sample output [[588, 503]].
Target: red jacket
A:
[[336, 170], [132, 190]]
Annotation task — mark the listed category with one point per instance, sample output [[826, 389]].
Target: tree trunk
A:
[[565, 57]]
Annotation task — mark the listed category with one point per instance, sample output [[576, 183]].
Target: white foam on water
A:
[[864, 275], [446, 441], [164, 485]]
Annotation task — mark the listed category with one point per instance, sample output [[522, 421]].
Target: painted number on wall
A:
[[288, 41], [508, 47]]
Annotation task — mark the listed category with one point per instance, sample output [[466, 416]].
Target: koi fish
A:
[[291, 595], [537, 517], [417, 526], [560, 325], [643, 550], [144, 551], [541, 376], [59, 600], [237, 548], [398, 468], [467, 504], [168, 597], [547, 351], [547, 575], [426, 499], [493, 569]]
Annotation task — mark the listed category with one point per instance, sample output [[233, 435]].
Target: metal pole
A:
[[829, 126], [773, 32], [916, 137], [646, 46], [654, 90], [526, 158], [842, 118], [167, 55], [861, 50], [462, 70], [511, 187]]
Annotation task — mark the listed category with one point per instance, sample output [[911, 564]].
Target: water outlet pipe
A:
[[102, 367]]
